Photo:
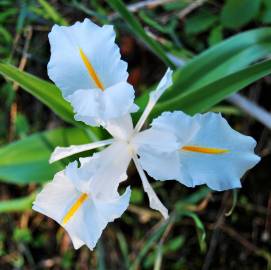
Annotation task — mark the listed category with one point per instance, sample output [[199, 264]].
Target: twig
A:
[[22, 64], [252, 109], [147, 4], [216, 233], [140, 5]]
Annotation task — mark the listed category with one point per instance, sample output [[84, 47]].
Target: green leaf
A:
[[26, 161], [266, 16], [202, 99], [237, 13], [17, 205], [221, 60], [267, 4], [199, 227], [199, 22], [46, 92], [216, 35], [139, 31]]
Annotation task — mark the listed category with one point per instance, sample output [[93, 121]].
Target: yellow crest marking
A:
[[91, 70], [204, 150], [74, 208]]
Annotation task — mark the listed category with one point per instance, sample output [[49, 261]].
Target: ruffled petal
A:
[[210, 151], [78, 48], [84, 217], [177, 123], [230, 155], [95, 107], [101, 174]]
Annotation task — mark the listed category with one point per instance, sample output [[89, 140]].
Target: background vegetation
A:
[[217, 49]]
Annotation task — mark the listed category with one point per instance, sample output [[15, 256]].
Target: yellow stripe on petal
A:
[[91, 70], [204, 150], [74, 208]]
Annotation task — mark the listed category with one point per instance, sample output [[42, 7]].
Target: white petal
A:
[[85, 226], [164, 166], [101, 174], [219, 171], [87, 106], [120, 128], [157, 139], [155, 203], [56, 197], [63, 152], [66, 67], [177, 123], [95, 107], [164, 84]]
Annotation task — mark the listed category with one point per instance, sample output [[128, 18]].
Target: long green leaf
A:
[[202, 99], [139, 31], [26, 160], [225, 58], [46, 92], [16, 205]]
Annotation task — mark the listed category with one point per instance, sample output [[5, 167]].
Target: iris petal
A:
[[87, 222], [210, 152]]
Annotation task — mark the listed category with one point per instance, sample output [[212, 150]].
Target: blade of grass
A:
[[52, 13]]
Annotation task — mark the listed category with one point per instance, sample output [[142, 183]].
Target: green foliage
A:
[[237, 13], [21, 125], [52, 13], [22, 235], [136, 196], [139, 31], [200, 22], [26, 160], [16, 205], [203, 98], [46, 92]]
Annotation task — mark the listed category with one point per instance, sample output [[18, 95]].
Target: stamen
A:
[[91, 70], [74, 208], [204, 150]]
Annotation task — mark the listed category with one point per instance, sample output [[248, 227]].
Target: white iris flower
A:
[[83, 198]]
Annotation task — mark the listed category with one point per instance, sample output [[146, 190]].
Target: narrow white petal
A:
[[63, 152], [155, 203], [164, 84]]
